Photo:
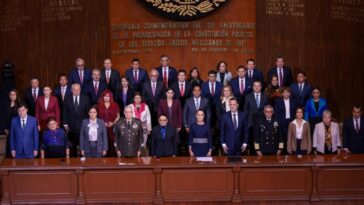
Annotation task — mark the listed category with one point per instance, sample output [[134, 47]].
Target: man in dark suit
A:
[[80, 74], [63, 89], [285, 112], [32, 94], [137, 76], [284, 73], [234, 130], [153, 91], [211, 89], [241, 86], [167, 74], [301, 91], [24, 136], [253, 107], [75, 108], [353, 132], [193, 104], [110, 76], [94, 88], [253, 73], [182, 88], [164, 139]]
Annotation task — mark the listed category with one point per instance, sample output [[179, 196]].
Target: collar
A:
[[96, 82]]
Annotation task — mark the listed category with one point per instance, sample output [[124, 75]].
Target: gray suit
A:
[[85, 144], [128, 138], [189, 111]]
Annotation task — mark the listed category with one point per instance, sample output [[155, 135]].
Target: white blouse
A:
[[299, 129]]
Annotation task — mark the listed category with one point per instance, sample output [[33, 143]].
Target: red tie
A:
[[165, 80], [136, 76], [212, 89], [181, 90], [96, 88], [81, 77], [242, 88]]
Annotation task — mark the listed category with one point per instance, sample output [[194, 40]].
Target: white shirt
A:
[[63, 89], [96, 84], [299, 130], [354, 120], [46, 102], [92, 132], [278, 73], [251, 72], [154, 83], [227, 105], [286, 105], [255, 97], [107, 73], [183, 85], [76, 97]]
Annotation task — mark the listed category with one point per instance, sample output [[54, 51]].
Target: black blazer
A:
[[164, 147], [72, 117], [287, 75], [280, 110], [177, 93], [153, 101], [30, 101], [114, 81], [250, 107], [353, 140], [119, 99], [172, 75]]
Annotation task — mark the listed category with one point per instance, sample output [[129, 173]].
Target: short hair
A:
[[93, 107], [137, 94], [96, 70], [268, 106], [357, 107], [50, 119], [279, 57], [163, 56], [34, 78], [128, 107], [288, 89], [251, 60], [211, 72], [257, 81], [181, 71], [62, 75], [240, 66], [22, 105], [154, 70], [196, 86], [234, 99], [79, 59], [327, 112], [316, 88], [162, 115], [135, 60], [301, 72], [76, 84]]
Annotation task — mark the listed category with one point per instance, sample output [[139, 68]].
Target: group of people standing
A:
[[96, 113]]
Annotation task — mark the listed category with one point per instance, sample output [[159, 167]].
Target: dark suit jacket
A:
[[164, 147], [301, 98], [189, 111], [206, 92], [102, 144], [172, 75], [234, 139], [75, 78], [287, 75], [90, 91], [26, 138], [42, 114], [187, 91], [142, 78], [353, 140], [72, 117], [153, 101], [250, 107], [280, 110], [176, 120], [257, 76], [58, 93], [30, 101], [114, 81], [234, 83], [118, 97]]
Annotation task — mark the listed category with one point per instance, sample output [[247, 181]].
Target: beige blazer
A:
[[306, 138], [319, 137]]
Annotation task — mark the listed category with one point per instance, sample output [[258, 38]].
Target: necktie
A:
[[250, 74], [76, 103], [81, 77], [35, 95], [128, 122], [107, 76], [62, 92], [235, 122], [357, 126], [23, 124], [153, 88], [257, 100], [242, 88], [182, 90], [136, 76], [300, 87], [280, 77], [165, 80], [197, 104], [212, 89], [96, 88]]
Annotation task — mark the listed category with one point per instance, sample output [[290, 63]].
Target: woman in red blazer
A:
[[46, 106], [172, 109]]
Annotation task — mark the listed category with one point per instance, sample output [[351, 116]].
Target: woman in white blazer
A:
[[222, 74], [326, 137]]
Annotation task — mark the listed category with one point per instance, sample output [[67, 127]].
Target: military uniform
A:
[[128, 138], [268, 137]]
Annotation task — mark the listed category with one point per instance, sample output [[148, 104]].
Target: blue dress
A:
[[200, 139]]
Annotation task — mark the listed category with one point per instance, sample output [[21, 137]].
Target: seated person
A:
[[55, 141]]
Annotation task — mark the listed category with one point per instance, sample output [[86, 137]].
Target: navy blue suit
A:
[[206, 92], [58, 93], [90, 91], [172, 75], [75, 78], [234, 138], [257, 75], [353, 140], [234, 83], [301, 97], [287, 75], [142, 78], [24, 140]]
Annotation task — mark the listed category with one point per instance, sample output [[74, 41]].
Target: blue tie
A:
[[257, 100]]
